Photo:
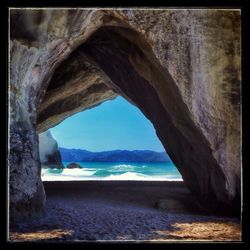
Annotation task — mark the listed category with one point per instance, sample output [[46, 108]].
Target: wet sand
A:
[[144, 211]]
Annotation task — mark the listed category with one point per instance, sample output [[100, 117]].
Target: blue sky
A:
[[115, 124]]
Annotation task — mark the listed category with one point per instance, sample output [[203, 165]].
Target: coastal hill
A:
[[113, 156]]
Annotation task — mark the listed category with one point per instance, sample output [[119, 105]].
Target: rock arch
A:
[[103, 55]]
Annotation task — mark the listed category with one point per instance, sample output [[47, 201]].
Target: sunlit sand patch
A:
[[211, 231], [41, 235]]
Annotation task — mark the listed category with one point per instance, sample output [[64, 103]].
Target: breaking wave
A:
[[109, 171]]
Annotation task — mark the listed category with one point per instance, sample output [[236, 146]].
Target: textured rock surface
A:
[[180, 67], [76, 85], [48, 150]]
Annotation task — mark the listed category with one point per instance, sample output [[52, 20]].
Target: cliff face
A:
[[180, 67], [48, 150]]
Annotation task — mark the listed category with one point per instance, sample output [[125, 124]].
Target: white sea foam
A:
[[126, 176], [137, 177], [79, 174], [109, 172], [123, 167]]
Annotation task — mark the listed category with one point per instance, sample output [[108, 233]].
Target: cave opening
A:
[[118, 61], [85, 80], [113, 141]]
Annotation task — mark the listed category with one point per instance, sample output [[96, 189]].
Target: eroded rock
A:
[[50, 156], [76, 85], [180, 67]]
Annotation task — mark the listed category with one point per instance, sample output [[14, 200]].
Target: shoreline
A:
[[97, 179], [124, 211], [174, 183]]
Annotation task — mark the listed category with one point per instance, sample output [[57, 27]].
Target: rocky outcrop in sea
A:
[[50, 156], [73, 165]]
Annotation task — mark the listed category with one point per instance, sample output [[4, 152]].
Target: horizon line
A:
[[115, 150]]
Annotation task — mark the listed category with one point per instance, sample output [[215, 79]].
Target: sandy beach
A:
[[124, 211]]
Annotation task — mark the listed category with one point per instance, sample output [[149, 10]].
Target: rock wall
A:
[[180, 67], [48, 150]]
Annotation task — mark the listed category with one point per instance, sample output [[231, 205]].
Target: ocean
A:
[[162, 171]]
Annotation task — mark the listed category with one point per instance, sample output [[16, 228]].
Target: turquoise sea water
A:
[[115, 171]]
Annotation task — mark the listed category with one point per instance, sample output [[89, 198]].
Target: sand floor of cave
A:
[[119, 213]]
